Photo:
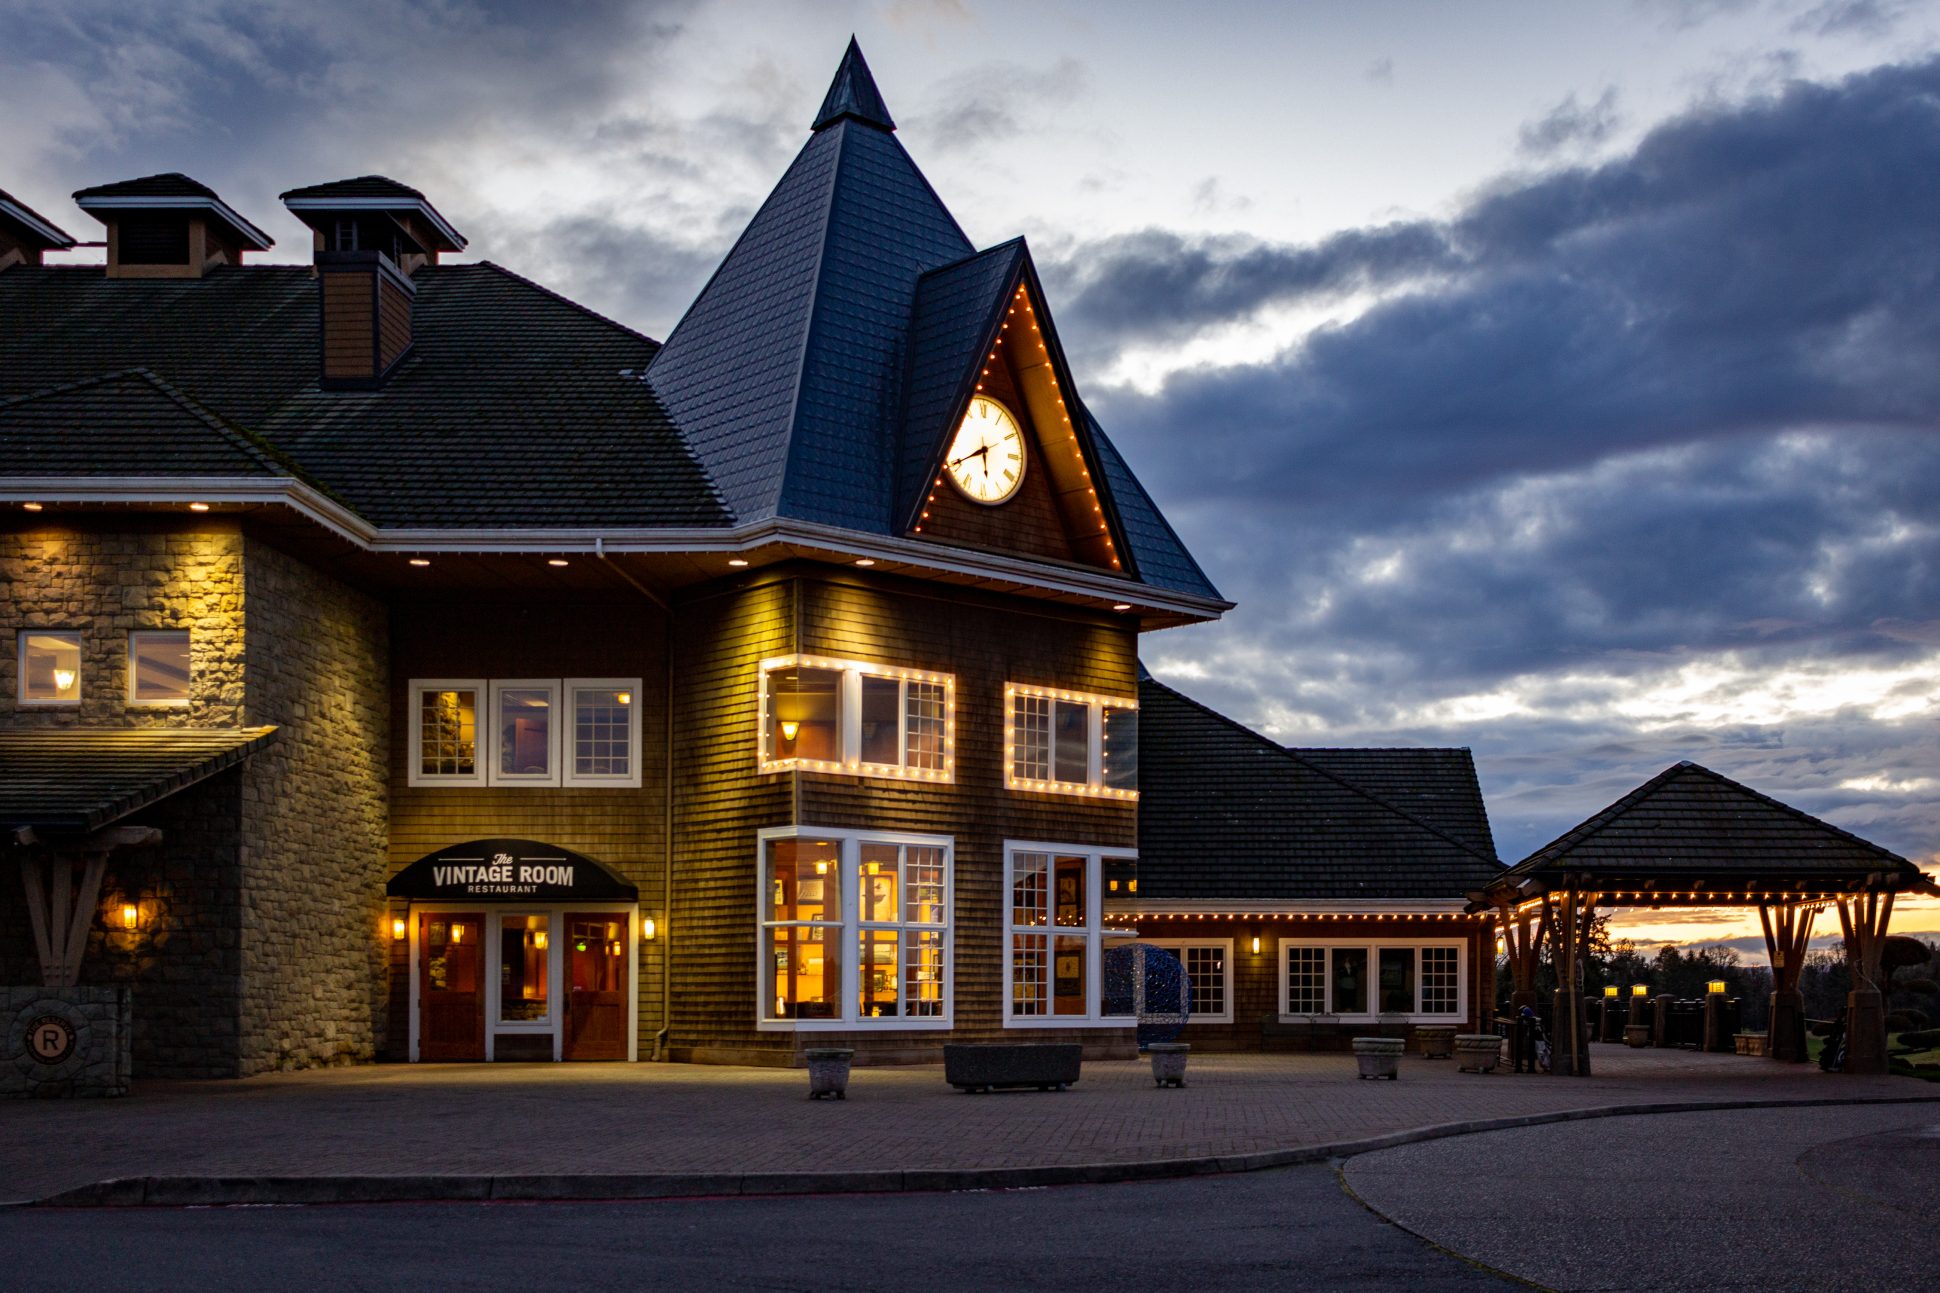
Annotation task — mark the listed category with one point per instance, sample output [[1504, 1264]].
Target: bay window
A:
[[855, 930], [1370, 977], [1068, 742], [820, 715], [1054, 926]]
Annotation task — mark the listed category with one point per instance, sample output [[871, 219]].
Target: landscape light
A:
[[1715, 987], [1611, 992], [1639, 989]]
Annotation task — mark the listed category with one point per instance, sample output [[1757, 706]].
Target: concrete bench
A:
[[1044, 1065]]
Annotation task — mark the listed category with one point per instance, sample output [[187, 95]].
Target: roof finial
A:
[[853, 94]]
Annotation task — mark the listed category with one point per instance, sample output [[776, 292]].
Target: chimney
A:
[[25, 234], [372, 235], [169, 226]]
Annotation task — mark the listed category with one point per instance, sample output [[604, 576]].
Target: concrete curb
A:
[[229, 1191]]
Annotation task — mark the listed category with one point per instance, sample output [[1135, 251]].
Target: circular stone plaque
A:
[[50, 1038]]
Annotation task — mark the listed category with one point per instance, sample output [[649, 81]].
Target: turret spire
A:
[[853, 94]]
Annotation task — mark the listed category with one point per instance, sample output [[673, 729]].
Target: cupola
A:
[[371, 235], [169, 226], [26, 234]]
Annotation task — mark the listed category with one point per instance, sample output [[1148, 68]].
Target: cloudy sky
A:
[[1559, 380]]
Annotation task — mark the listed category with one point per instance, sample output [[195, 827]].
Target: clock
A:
[[986, 459]]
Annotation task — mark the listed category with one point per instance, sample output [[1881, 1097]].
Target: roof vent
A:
[[375, 213], [169, 226], [25, 234]]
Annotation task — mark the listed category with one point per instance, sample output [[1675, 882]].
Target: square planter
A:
[[1168, 1063], [1379, 1057], [1477, 1052], [1437, 1041], [1048, 1066], [1637, 1035], [828, 1072]]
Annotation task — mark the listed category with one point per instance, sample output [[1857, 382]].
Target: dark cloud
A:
[[1571, 125], [1871, 18]]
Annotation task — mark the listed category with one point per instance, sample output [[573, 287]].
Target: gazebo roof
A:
[[1690, 836]]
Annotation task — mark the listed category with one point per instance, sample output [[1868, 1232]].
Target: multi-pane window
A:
[[842, 716], [1364, 980], [1207, 964], [1070, 742], [50, 667], [855, 929], [525, 732], [1053, 927], [158, 667]]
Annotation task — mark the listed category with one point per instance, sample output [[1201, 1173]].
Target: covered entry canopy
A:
[[505, 870], [1690, 837]]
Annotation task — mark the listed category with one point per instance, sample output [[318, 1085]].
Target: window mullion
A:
[[1095, 743], [851, 751]]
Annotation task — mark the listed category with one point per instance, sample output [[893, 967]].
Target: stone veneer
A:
[[99, 1062]]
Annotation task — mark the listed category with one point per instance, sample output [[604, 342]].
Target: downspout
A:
[[667, 808]]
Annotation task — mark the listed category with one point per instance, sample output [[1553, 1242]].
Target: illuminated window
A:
[[525, 729], [605, 735], [50, 667], [444, 732], [855, 930], [871, 720], [158, 667], [525, 963], [1367, 978], [1054, 926], [1072, 743], [1208, 966]]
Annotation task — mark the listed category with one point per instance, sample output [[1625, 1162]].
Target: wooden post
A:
[[61, 917], [1863, 919], [1788, 932]]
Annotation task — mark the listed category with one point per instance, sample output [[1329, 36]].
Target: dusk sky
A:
[[1561, 381]]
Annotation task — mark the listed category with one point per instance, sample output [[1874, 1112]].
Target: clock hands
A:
[[981, 451]]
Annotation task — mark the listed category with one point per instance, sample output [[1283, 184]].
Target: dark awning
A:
[[81, 779], [509, 871]]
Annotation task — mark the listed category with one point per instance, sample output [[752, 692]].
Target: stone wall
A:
[[314, 818], [64, 1042]]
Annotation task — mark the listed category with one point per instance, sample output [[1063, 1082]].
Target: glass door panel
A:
[[524, 961]]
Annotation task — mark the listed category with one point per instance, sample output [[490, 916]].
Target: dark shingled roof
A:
[[31, 226], [853, 94], [515, 407], [1157, 552], [362, 186], [1435, 786], [1688, 821], [124, 424], [169, 184], [172, 189], [1226, 814], [81, 779]]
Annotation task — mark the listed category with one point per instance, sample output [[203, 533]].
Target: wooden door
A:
[[596, 986], [451, 986]]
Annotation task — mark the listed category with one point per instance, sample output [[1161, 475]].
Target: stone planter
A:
[[1048, 1066], [1168, 1062], [1637, 1035], [1379, 1057], [1437, 1041], [828, 1072], [1477, 1052]]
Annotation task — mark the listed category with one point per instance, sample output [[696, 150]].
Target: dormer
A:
[[169, 226], [375, 213], [26, 234]]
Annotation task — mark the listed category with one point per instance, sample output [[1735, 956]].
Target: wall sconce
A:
[[63, 680], [1639, 989], [1610, 993], [1256, 944], [539, 939], [398, 929], [130, 916], [457, 932], [1715, 987], [648, 929]]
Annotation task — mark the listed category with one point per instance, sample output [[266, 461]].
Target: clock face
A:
[[986, 459]]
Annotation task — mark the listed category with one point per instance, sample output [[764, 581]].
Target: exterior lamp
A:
[[1715, 987], [130, 916], [648, 928], [1610, 992], [198, 507], [457, 932], [1640, 989], [1256, 944], [398, 929], [539, 939]]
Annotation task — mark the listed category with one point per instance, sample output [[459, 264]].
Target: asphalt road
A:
[[1295, 1228], [1822, 1199]]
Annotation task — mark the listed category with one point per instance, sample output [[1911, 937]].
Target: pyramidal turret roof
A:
[[853, 94]]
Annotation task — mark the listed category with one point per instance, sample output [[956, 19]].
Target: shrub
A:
[[1900, 1021], [1924, 1040]]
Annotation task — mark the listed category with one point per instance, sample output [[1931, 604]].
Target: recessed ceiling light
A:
[[198, 507], [737, 561], [865, 561], [1122, 606], [31, 507], [420, 561], [558, 561]]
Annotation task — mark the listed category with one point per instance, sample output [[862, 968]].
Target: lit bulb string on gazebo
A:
[[1064, 412]]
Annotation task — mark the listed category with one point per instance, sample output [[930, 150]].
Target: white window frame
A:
[[1373, 946], [1093, 787], [483, 725], [1177, 947], [134, 637], [849, 718], [20, 667], [494, 776], [849, 844], [569, 732], [1095, 933]]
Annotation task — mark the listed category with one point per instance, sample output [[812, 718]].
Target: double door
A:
[[487, 985]]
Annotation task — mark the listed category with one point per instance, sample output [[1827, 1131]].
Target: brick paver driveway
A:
[[587, 1119]]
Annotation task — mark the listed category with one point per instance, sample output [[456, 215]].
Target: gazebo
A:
[[1687, 838]]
